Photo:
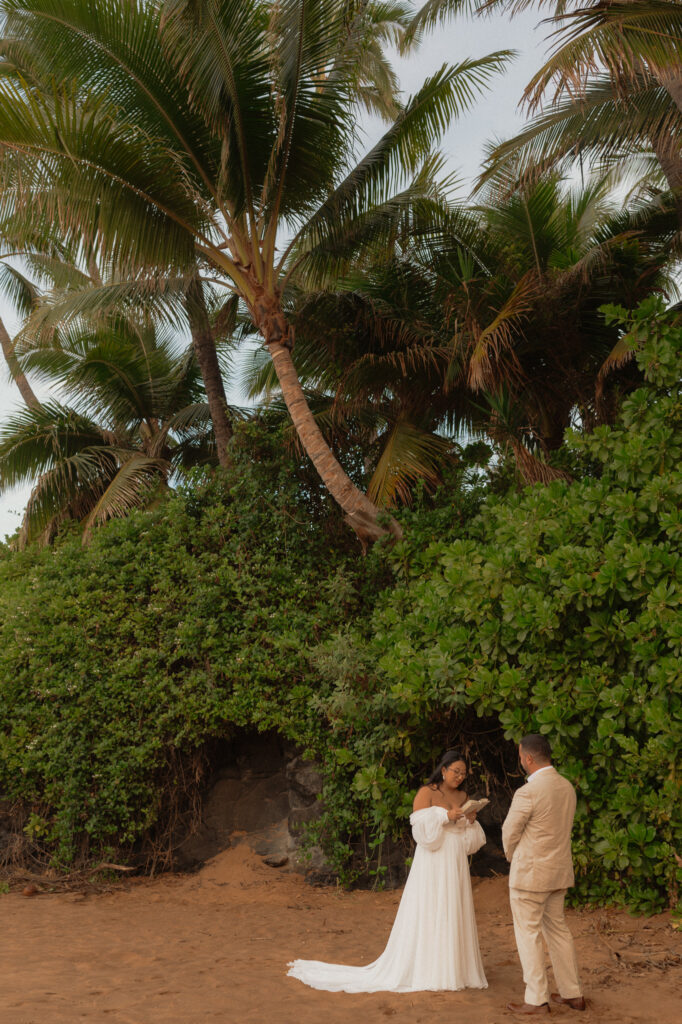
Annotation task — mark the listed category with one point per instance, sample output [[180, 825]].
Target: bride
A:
[[433, 943]]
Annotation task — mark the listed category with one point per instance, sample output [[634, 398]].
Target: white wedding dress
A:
[[433, 943]]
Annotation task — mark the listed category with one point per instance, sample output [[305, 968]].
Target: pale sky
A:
[[496, 115]]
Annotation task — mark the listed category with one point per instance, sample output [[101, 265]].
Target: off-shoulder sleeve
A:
[[474, 837], [427, 826]]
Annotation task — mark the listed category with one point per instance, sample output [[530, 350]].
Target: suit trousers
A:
[[538, 914]]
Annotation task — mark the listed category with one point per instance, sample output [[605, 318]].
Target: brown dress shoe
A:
[[528, 1008], [577, 1003]]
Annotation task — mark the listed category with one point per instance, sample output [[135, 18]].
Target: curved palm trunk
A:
[[207, 358], [361, 514], [18, 376]]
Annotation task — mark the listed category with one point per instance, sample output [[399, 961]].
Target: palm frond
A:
[[67, 490], [599, 125], [132, 487], [341, 245], [257, 374], [77, 155], [161, 299], [495, 343], [404, 149], [628, 39], [113, 46], [408, 456], [17, 288], [219, 52], [621, 353], [434, 13], [34, 440]]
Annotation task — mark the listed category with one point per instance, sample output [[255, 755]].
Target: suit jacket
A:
[[536, 834]]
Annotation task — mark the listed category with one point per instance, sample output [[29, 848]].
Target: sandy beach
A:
[[214, 946]]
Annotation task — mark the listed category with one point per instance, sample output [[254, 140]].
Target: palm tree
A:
[[616, 71], [491, 325], [50, 289], [134, 415], [221, 135], [377, 90], [556, 255]]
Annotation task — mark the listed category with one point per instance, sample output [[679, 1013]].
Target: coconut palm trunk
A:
[[360, 513], [207, 358], [18, 376]]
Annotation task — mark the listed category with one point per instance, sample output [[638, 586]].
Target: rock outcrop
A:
[[264, 794]]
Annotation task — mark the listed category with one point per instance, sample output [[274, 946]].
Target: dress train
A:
[[433, 944]]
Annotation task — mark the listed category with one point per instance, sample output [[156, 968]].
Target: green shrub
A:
[[559, 611], [168, 630]]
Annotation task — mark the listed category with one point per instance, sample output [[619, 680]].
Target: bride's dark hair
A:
[[449, 757]]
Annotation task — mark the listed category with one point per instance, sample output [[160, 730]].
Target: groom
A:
[[537, 840]]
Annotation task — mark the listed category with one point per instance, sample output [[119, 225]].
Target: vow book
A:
[[474, 805]]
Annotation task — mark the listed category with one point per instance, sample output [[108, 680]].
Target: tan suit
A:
[[537, 840]]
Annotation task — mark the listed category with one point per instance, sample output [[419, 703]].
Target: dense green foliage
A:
[[170, 628], [240, 604], [558, 611]]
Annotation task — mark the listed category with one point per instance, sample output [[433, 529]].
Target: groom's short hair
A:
[[538, 746]]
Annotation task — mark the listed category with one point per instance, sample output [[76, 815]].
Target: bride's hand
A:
[[471, 817], [455, 814]]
